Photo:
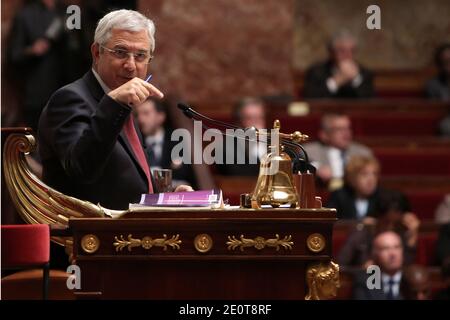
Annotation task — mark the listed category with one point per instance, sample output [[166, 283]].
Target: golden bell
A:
[[275, 184]]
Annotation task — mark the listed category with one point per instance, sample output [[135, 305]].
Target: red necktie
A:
[[136, 145]]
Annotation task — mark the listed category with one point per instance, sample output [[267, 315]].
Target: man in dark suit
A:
[[247, 113], [152, 119], [387, 253], [89, 145], [36, 51], [340, 76]]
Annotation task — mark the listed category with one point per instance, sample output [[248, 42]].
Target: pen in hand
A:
[[146, 80]]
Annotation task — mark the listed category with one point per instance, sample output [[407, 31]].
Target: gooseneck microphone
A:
[[294, 149]]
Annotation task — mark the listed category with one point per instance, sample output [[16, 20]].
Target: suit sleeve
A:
[[365, 90], [335, 202], [316, 84], [18, 41], [347, 252], [83, 140]]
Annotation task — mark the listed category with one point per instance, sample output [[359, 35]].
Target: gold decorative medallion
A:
[[316, 242], [203, 243], [323, 281], [260, 243], [147, 242], [90, 243]]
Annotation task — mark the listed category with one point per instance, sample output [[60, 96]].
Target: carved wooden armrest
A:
[[34, 200]]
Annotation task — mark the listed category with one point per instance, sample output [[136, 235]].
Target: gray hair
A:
[[342, 34], [124, 20]]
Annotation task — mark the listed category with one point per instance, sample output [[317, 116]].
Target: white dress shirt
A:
[[333, 87], [102, 84], [336, 162], [156, 143], [361, 205], [395, 287]]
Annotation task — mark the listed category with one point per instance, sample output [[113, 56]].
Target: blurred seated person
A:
[[443, 244], [391, 214], [341, 76], [334, 148], [151, 117], [415, 283], [359, 196], [36, 49], [247, 113], [442, 213], [439, 86], [444, 294], [387, 254]]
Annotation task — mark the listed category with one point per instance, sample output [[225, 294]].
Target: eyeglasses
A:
[[143, 57]]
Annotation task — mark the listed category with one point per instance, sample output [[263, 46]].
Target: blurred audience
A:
[[247, 113], [359, 197], [36, 49], [152, 116], [390, 215], [439, 86], [415, 283], [341, 76], [443, 244], [444, 293], [387, 253], [334, 148], [442, 213]]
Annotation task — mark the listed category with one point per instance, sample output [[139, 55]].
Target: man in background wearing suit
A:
[[247, 113], [340, 76], [334, 148], [387, 253], [89, 144], [36, 51], [152, 119]]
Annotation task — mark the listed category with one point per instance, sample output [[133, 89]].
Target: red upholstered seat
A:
[[369, 124], [426, 248], [413, 162], [26, 246], [339, 239], [424, 203]]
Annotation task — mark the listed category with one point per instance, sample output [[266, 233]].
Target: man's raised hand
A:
[[135, 92]]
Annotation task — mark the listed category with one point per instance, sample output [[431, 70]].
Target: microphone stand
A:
[[299, 164]]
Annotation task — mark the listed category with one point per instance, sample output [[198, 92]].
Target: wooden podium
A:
[[180, 253], [203, 254]]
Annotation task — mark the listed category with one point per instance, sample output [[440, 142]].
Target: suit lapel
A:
[[98, 93], [94, 87]]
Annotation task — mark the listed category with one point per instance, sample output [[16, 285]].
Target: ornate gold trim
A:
[[260, 243], [90, 243], [323, 281], [203, 243], [316, 242], [147, 242]]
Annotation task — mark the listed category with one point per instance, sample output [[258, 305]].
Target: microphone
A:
[[192, 114], [296, 149], [185, 109]]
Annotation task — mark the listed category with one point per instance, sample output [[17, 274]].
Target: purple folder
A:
[[201, 198]]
